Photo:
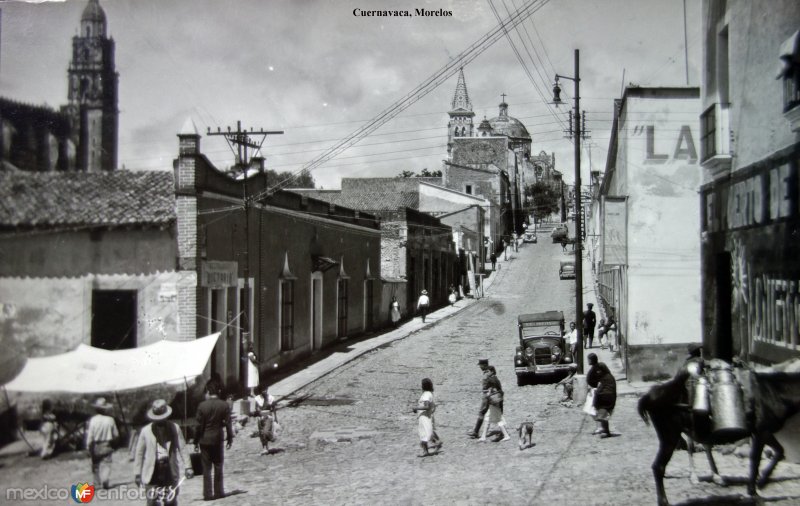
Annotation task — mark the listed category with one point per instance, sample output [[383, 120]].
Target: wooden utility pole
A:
[[244, 139]]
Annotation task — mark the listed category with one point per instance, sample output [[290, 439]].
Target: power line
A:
[[428, 85]]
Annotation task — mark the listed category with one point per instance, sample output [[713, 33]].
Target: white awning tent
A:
[[87, 370]]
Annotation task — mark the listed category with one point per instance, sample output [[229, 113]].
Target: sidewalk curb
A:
[[290, 385]]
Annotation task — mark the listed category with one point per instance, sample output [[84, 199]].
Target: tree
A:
[[290, 180], [545, 198], [424, 173]]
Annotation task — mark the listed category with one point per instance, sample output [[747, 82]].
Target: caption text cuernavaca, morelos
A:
[[392, 13]]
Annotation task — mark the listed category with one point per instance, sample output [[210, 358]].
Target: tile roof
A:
[[84, 199]]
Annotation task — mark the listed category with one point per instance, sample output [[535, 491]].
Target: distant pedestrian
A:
[[493, 259], [425, 421], [607, 330], [494, 415], [213, 415], [252, 371], [267, 420], [394, 312], [485, 373], [452, 297], [564, 244], [160, 462], [589, 323], [101, 434], [600, 378], [49, 430], [423, 303]]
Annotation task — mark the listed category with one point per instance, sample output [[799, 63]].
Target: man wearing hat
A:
[[422, 304], [484, 365], [589, 323], [100, 436], [160, 460]]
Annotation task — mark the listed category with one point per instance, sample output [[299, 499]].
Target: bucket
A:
[[727, 405]]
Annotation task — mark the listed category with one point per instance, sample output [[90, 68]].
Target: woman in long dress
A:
[[395, 311], [252, 371], [426, 407]]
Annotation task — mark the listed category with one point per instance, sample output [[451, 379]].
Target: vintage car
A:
[[543, 349], [567, 269], [560, 232], [530, 236]]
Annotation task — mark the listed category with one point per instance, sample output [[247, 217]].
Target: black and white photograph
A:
[[300, 252]]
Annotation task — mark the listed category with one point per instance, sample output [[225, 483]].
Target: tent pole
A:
[[185, 407], [122, 413]]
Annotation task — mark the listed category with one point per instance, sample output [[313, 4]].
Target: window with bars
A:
[[708, 132], [341, 318], [287, 315]]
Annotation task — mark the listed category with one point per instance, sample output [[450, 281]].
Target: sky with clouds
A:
[[316, 71]]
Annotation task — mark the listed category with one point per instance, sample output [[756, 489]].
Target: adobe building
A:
[[87, 258]]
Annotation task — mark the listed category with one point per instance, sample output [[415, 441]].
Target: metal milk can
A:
[[700, 403], [727, 404]]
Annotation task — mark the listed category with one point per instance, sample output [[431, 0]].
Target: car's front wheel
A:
[[521, 380]]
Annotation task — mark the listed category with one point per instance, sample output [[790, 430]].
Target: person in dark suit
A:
[[213, 414], [486, 373], [589, 323]]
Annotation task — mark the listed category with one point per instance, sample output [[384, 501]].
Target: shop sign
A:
[[218, 274], [757, 200]]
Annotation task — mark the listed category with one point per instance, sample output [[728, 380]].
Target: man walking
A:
[[422, 304], [589, 323], [486, 374], [100, 436], [212, 415]]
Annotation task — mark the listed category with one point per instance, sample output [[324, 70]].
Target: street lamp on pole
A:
[[576, 133]]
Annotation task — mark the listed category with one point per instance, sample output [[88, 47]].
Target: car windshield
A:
[[541, 328]]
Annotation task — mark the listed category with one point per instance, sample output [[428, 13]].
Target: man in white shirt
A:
[[100, 436], [573, 340], [422, 304]]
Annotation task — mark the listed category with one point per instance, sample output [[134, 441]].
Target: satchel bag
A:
[[197, 463], [495, 397], [588, 406]]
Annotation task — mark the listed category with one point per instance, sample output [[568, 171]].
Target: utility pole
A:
[[244, 139], [577, 132]]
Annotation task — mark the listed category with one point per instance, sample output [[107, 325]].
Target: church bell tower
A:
[[460, 124], [92, 95]]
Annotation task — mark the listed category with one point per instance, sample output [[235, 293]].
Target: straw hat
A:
[[424, 292], [159, 410], [101, 404]]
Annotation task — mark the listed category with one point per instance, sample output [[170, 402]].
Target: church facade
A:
[[493, 160], [83, 134]]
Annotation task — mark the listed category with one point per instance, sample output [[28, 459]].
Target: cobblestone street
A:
[[351, 438]]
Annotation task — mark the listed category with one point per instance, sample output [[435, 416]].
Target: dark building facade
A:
[[286, 273]]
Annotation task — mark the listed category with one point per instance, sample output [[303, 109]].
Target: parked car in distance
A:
[[543, 351], [567, 269], [530, 236], [560, 232]]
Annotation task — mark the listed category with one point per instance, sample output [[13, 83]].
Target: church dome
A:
[[93, 12], [508, 126]]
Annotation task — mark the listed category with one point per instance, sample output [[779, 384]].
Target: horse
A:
[[771, 397]]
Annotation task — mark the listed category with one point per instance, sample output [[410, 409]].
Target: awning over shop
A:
[[87, 370]]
